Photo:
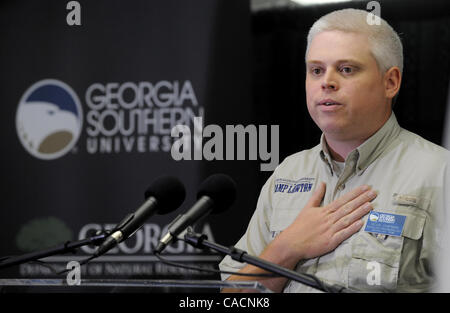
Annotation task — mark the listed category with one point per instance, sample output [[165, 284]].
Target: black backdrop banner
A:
[[87, 113], [130, 71]]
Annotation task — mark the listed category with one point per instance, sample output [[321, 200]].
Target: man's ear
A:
[[392, 81]]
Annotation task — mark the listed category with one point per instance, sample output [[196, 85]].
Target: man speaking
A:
[[369, 216]]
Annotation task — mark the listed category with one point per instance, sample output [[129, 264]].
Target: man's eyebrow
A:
[[308, 62]]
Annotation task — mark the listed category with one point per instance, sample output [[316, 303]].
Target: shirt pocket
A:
[[375, 260], [281, 219]]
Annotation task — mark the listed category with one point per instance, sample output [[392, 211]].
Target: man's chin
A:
[[335, 130]]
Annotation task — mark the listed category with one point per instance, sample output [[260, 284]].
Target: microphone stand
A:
[[60, 249], [200, 241], [66, 247]]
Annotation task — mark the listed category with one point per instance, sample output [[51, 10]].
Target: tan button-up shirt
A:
[[407, 171]]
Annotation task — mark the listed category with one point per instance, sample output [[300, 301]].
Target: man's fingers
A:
[[349, 196], [354, 204], [353, 217], [347, 216], [345, 233], [317, 196]]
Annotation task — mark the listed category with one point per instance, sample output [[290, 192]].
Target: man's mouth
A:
[[328, 102]]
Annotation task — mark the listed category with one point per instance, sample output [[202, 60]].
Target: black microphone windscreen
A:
[[221, 189], [168, 191]]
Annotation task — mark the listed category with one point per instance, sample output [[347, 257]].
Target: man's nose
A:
[[330, 82]]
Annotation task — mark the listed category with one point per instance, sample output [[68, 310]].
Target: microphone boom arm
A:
[[60, 249], [200, 241]]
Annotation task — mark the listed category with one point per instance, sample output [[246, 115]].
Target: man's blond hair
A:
[[385, 43]]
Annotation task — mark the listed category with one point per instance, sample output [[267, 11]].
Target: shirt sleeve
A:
[[442, 255], [418, 270], [257, 235]]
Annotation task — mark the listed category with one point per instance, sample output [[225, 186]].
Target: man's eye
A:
[[347, 69], [316, 71]]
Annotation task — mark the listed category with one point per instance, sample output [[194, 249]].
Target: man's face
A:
[[345, 90]]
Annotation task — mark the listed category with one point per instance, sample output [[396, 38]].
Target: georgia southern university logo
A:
[[49, 119]]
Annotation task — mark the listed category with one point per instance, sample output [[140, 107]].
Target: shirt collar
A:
[[369, 150], [325, 154]]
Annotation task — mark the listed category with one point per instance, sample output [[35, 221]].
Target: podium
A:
[[40, 285]]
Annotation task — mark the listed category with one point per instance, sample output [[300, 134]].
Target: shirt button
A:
[[341, 187]]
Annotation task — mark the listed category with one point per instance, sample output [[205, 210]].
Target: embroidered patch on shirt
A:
[[275, 233], [304, 184], [385, 223]]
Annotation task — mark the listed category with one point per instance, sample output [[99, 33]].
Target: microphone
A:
[[164, 195], [215, 195]]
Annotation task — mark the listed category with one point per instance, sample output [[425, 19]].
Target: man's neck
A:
[[339, 150]]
